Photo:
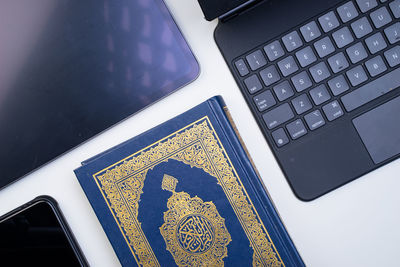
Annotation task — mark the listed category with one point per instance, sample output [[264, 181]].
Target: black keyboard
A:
[[333, 64]]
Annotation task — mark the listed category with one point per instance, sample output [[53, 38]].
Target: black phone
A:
[[36, 234]]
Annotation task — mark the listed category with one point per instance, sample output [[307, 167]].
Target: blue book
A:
[[185, 193]]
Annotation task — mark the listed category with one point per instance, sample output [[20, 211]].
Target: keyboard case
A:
[[324, 159]]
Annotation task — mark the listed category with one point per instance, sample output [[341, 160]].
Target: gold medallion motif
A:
[[194, 232]]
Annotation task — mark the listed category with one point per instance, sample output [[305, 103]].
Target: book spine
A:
[[228, 126]]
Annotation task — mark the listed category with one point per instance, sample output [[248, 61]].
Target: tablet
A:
[[71, 69]]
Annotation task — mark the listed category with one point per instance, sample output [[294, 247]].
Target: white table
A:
[[355, 225]]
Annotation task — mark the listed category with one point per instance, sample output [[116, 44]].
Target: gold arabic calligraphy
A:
[[195, 234]]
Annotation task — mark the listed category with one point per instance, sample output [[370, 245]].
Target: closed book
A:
[[185, 193]]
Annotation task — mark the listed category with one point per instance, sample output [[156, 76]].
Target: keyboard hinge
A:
[[237, 10]]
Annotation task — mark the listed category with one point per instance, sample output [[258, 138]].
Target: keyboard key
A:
[[357, 75], [256, 60], [380, 17], [319, 94], [301, 81], [310, 31], [296, 129], [319, 72], [269, 75], [372, 90], [338, 62], [361, 27], [347, 11], [283, 90], [301, 104], [253, 84], [356, 53], [265, 100], [375, 43], [375, 66], [366, 5], [338, 85], [288, 66], [314, 120], [278, 115], [274, 50], [395, 7], [342, 37], [292, 41], [393, 56], [393, 33], [324, 47], [306, 56], [241, 67], [280, 137], [332, 110], [328, 21]]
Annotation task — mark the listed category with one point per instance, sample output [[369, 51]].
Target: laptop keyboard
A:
[[313, 75]]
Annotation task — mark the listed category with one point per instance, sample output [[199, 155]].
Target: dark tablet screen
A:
[[70, 69]]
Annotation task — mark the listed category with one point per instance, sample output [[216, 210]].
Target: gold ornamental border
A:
[[197, 145]]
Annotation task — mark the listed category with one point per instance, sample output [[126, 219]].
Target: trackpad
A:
[[380, 130]]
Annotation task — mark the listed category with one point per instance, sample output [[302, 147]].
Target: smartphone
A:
[[36, 234]]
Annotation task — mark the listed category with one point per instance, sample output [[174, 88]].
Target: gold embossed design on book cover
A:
[[197, 145], [194, 232]]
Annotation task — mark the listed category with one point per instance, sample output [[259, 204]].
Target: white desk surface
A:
[[355, 225]]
